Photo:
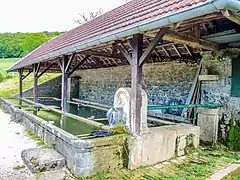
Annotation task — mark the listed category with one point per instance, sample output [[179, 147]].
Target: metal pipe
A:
[[185, 106]]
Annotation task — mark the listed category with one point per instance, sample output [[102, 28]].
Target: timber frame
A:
[[184, 41]]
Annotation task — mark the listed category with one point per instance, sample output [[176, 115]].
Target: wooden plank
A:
[[208, 78], [189, 40], [190, 96], [231, 16], [152, 45], [136, 71]]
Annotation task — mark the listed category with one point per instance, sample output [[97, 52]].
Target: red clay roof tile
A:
[[129, 14]]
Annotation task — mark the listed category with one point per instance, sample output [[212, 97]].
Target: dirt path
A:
[[12, 141]]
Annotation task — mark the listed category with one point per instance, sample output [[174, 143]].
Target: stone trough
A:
[[85, 157]]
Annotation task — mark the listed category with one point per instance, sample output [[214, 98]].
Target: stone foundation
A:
[[161, 144], [83, 157], [86, 157]]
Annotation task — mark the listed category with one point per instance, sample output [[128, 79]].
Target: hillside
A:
[[15, 45], [9, 82]]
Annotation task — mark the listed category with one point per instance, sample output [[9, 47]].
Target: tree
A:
[[85, 18], [33, 40]]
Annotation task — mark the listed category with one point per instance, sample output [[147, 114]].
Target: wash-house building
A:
[[175, 51]]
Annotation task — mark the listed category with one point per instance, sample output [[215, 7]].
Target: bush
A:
[[233, 139]]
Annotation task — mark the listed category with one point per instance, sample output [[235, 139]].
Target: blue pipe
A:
[[210, 6]]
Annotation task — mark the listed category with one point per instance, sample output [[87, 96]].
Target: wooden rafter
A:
[[165, 51], [189, 52], [101, 54], [78, 65], [189, 40], [155, 50], [231, 16], [178, 53]]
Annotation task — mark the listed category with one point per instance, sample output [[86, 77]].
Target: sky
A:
[[48, 15]]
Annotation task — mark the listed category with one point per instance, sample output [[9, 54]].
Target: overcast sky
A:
[[47, 15]]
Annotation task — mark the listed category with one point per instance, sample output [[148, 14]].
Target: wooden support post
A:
[[64, 84], [36, 68], [20, 71], [136, 99]]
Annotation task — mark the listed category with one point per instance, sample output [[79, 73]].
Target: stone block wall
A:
[[162, 82], [51, 88], [220, 91]]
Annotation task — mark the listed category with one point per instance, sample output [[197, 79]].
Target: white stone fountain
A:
[[122, 100]]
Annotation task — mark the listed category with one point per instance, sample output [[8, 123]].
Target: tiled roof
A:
[[128, 15]]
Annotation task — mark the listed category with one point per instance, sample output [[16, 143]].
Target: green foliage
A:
[[14, 45], [18, 167], [233, 139], [119, 129], [38, 140], [33, 41]]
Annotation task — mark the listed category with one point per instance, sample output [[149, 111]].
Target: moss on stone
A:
[[189, 144]]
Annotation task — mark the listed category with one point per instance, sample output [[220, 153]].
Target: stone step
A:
[[50, 175], [42, 159]]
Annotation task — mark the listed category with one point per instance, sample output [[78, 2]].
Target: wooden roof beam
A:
[[192, 41], [231, 16], [101, 54], [159, 36]]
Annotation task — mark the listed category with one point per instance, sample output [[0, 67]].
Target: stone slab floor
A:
[[12, 141]]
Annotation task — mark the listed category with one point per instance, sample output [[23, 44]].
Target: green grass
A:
[[9, 83], [198, 166], [38, 140], [6, 63], [10, 86], [235, 175], [18, 167]]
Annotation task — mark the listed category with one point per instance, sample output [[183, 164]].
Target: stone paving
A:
[[12, 141]]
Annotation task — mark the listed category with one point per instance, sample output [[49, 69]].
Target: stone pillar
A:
[[207, 120], [69, 81]]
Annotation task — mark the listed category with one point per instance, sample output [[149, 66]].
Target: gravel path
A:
[[12, 141]]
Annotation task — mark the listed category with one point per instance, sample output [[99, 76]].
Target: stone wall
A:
[[51, 88], [220, 91], [162, 81]]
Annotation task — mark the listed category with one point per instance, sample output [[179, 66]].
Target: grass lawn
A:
[[6, 63], [9, 83], [10, 86]]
